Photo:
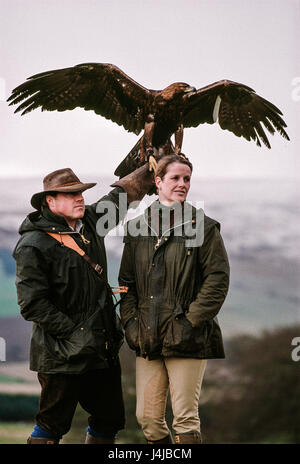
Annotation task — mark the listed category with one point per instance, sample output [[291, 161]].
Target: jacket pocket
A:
[[84, 342], [132, 333], [87, 340], [183, 338], [53, 352]]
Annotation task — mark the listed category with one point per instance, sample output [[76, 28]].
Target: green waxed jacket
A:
[[175, 290], [74, 323]]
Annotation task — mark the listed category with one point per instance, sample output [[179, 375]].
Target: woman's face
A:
[[175, 185]]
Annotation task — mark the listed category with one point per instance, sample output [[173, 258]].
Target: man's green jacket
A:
[[74, 323]]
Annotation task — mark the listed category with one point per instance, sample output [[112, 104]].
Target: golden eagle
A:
[[107, 90]]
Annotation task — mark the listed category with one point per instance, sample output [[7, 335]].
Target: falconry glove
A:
[[137, 184]]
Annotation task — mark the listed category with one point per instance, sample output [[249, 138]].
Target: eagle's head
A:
[[175, 90]]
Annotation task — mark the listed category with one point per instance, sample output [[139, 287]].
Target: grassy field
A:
[[237, 403], [18, 432], [16, 380], [14, 433]]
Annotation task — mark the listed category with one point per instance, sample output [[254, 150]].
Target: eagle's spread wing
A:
[[103, 88], [237, 108]]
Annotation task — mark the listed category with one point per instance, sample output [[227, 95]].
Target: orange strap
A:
[[69, 242], [121, 289]]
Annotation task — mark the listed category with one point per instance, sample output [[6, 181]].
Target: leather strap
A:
[[68, 241]]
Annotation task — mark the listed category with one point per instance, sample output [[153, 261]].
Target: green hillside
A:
[[8, 295]]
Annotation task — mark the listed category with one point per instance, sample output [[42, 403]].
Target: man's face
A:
[[69, 205]]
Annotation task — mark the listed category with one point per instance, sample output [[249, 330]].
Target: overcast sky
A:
[[156, 42]]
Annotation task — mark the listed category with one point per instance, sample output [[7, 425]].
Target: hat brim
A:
[[36, 199]]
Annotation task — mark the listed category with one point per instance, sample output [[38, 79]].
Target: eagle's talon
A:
[[152, 163], [183, 156], [149, 152]]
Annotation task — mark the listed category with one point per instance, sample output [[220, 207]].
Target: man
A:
[[62, 288]]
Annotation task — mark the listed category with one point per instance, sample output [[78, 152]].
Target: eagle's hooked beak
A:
[[190, 89]]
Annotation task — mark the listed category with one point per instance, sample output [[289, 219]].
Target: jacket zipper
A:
[[160, 239]]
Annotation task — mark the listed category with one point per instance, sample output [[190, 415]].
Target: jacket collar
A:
[[174, 216], [60, 220], [54, 218]]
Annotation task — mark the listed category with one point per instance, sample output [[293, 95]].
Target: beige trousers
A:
[[153, 379]]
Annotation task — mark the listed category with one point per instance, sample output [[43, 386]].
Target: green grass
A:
[[7, 379], [18, 432], [14, 433]]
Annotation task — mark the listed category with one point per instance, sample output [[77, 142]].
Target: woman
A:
[[177, 285]]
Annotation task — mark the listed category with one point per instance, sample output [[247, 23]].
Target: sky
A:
[[156, 42]]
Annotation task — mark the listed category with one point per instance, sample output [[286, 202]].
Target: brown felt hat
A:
[[62, 180]]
